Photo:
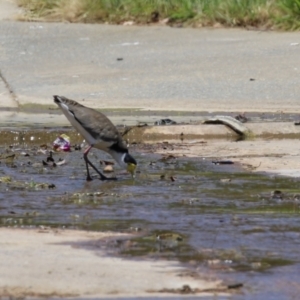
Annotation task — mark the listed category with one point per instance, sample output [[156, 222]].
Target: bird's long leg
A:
[[87, 163]]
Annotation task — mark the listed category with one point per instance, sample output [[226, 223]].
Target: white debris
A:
[[130, 44]]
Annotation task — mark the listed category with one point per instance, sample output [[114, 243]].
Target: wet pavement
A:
[[213, 218]]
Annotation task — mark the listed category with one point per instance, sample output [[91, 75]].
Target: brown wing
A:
[[99, 126]]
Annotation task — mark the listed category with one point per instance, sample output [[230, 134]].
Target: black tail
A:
[[57, 99]]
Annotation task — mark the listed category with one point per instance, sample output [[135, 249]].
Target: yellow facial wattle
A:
[[131, 169]]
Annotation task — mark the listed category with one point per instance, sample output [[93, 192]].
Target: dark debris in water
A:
[[187, 290], [166, 121], [222, 162]]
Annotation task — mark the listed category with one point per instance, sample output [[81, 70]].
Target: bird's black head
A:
[[128, 159]]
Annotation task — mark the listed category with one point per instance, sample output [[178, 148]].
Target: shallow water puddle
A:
[[217, 217]]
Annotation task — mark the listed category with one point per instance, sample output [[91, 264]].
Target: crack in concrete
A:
[[10, 89]]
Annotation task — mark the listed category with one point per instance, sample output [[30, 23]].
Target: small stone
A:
[[108, 169]]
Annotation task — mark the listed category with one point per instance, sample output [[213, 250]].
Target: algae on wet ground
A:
[[205, 215]]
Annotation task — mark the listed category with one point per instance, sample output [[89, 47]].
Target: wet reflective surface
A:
[[216, 219]]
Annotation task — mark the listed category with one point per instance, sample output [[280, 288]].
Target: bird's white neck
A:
[[119, 157]]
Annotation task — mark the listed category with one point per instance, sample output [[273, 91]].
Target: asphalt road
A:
[[152, 67]]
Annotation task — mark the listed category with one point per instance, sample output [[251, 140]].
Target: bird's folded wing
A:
[[96, 124]]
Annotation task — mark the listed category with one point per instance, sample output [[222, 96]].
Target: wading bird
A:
[[99, 132]]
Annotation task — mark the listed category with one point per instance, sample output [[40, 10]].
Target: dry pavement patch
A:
[[62, 263], [274, 156]]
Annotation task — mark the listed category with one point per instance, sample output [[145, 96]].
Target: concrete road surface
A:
[[152, 67]]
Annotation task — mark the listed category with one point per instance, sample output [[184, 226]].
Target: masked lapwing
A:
[[99, 132]]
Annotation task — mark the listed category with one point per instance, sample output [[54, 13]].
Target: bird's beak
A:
[[131, 169]]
